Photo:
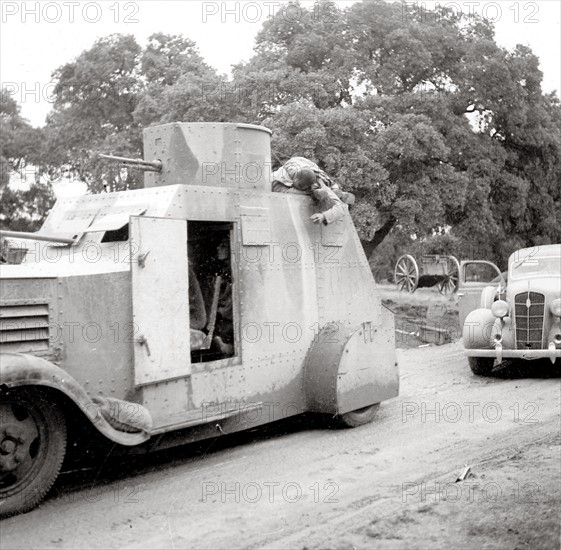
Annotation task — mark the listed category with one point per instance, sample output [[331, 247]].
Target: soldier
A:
[[307, 182], [285, 177], [216, 282], [224, 331]]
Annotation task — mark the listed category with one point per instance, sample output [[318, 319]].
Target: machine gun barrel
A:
[[146, 165], [36, 237]]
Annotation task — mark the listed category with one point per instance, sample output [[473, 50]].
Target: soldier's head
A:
[[304, 179]]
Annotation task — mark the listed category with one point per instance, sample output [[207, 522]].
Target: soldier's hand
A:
[[317, 218]]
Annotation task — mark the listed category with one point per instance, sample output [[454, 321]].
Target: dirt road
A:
[[390, 484]]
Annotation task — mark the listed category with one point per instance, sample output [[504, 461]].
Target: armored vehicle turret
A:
[[199, 305]]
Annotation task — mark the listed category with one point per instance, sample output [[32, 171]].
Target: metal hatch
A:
[[160, 297]]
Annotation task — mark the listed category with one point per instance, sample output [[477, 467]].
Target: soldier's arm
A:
[[279, 187], [334, 213]]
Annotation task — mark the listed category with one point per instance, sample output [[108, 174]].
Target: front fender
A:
[[348, 368], [478, 329], [488, 295], [18, 369]]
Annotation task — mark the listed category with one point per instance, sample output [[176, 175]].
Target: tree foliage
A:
[[94, 100], [426, 119], [20, 146]]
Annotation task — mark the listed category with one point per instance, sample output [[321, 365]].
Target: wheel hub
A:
[[8, 447], [17, 433], [14, 446], [32, 447]]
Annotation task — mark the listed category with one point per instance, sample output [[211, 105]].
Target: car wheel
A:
[[32, 448], [482, 366], [353, 419]]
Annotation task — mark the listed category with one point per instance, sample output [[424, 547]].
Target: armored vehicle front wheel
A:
[[353, 419], [482, 366], [32, 448]]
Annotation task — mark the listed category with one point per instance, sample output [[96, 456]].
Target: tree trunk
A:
[[379, 236]]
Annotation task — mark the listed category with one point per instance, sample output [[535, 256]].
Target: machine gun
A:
[[145, 165]]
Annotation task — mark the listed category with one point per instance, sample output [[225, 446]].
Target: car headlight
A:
[[555, 307], [500, 308]]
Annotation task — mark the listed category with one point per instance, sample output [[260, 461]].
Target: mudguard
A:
[[478, 329], [348, 368], [18, 369]]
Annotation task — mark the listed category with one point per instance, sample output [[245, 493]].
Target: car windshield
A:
[[536, 267]]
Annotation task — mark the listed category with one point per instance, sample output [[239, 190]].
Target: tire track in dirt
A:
[[368, 466], [361, 512]]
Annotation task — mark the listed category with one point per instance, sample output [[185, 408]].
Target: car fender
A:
[[488, 295], [478, 329], [18, 370]]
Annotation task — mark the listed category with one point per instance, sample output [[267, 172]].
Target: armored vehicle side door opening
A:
[[213, 263]]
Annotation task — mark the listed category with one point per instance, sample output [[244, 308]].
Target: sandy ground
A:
[[297, 484]]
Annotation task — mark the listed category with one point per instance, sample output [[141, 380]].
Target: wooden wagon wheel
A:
[[449, 283], [406, 274]]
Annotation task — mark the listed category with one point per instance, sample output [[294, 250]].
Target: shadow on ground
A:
[[539, 368], [106, 467]]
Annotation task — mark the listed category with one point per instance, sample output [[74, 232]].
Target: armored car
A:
[[199, 305]]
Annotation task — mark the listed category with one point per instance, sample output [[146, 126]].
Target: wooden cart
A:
[[431, 270]]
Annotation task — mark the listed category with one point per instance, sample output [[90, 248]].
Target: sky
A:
[[38, 37]]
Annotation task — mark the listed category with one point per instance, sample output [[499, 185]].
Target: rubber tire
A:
[[354, 419], [51, 425], [481, 366]]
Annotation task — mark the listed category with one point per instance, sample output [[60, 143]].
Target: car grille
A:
[[24, 328], [529, 320]]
